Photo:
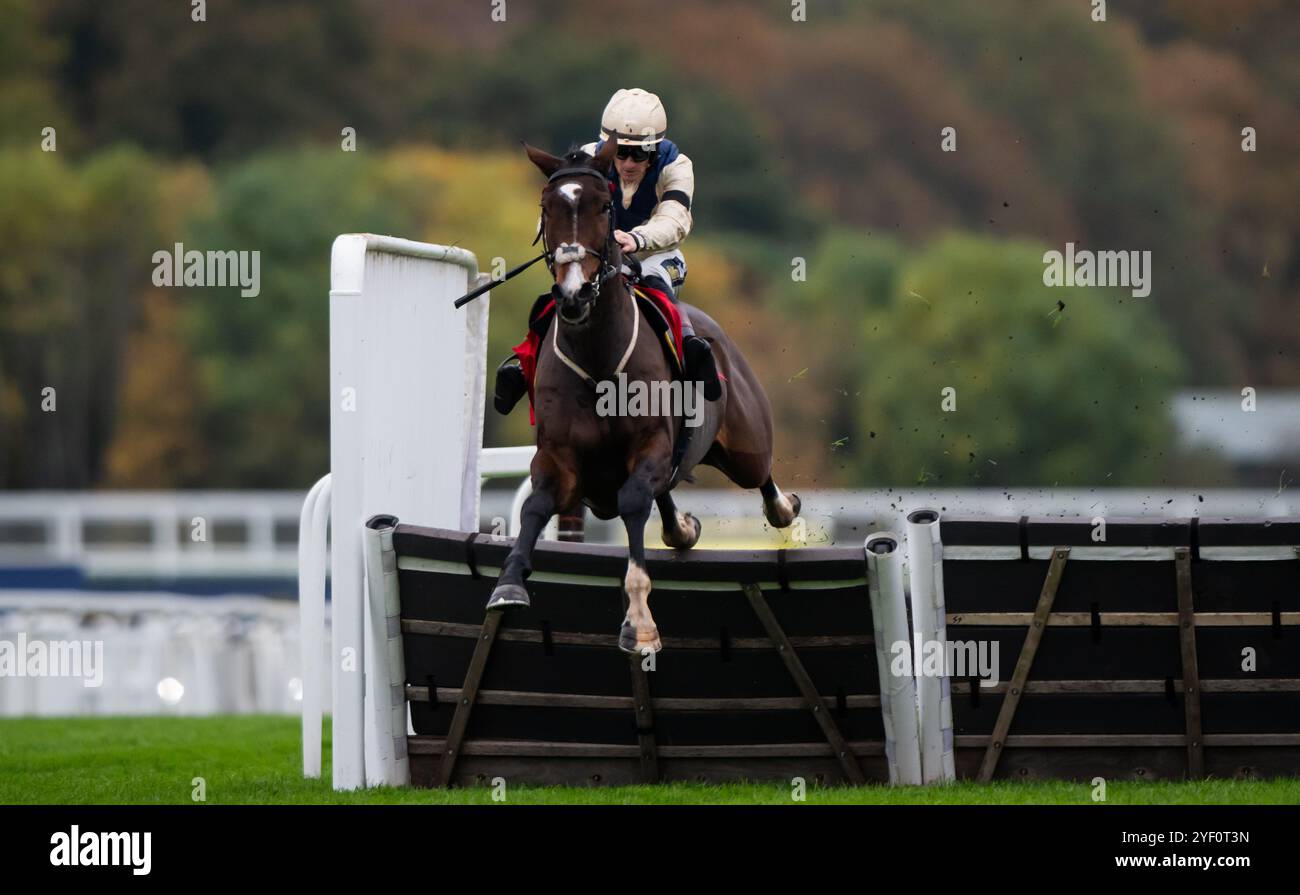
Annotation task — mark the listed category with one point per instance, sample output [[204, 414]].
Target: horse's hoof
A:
[[627, 639], [507, 596], [635, 643], [671, 537], [778, 519]]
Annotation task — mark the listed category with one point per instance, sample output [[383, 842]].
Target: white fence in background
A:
[[161, 654], [259, 529], [108, 534]]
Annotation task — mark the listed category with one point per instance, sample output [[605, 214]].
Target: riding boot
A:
[[699, 357], [699, 352], [510, 386], [700, 366]]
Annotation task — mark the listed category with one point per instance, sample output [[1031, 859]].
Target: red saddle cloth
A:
[[656, 309]]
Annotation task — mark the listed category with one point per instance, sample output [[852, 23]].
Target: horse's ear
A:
[[605, 156], [545, 162]]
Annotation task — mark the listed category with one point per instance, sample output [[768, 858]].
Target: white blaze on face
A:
[[572, 280]]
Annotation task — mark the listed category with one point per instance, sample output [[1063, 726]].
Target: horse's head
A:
[[577, 227]]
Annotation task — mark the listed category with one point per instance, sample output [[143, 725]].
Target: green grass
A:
[[256, 760]]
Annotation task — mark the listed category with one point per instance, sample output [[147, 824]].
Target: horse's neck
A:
[[600, 345]]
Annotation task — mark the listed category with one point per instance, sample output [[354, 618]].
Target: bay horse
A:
[[622, 465]]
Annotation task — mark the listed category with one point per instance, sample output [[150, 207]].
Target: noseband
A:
[[568, 253]]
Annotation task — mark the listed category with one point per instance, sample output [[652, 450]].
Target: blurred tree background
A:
[[816, 141]]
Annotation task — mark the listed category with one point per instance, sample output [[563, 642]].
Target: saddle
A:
[[657, 312]]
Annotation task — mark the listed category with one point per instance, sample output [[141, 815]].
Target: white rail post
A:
[[897, 691], [385, 690], [312, 529], [933, 694]]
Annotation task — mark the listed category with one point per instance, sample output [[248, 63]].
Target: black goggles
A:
[[635, 153]]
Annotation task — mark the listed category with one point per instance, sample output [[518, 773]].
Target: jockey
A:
[[653, 185]]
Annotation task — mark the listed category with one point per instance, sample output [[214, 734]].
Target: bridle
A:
[[568, 253], [565, 253]]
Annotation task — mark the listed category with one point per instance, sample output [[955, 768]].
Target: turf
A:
[[256, 760]]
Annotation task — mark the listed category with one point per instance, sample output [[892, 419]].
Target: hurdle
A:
[[1130, 648], [749, 684], [407, 380], [1121, 644], [1116, 648]]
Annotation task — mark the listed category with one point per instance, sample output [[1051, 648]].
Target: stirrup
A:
[[510, 386]]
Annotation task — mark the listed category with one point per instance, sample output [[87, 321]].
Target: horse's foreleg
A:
[[681, 530], [780, 509], [639, 632], [510, 591]]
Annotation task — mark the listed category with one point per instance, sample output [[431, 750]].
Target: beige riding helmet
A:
[[634, 117]]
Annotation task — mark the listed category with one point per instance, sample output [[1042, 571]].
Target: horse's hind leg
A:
[[780, 509], [681, 530]]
